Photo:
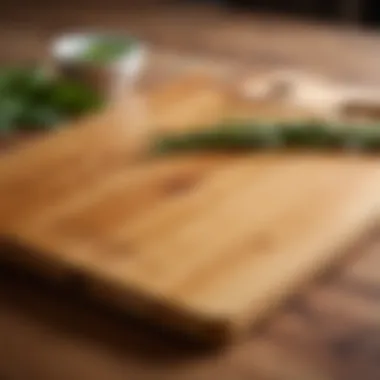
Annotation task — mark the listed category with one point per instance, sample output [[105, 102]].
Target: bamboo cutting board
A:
[[202, 244]]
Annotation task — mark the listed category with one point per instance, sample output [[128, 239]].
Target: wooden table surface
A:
[[330, 331]]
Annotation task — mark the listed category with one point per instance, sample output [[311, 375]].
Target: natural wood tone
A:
[[330, 331], [205, 244]]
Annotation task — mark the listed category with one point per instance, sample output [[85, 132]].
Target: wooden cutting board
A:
[[204, 244]]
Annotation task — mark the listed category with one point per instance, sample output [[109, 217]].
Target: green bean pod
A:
[[256, 136]]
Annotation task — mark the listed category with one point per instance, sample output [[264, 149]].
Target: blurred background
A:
[[364, 12], [325, 36]]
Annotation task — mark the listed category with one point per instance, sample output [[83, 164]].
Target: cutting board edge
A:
[[253, 315], [157, 310]]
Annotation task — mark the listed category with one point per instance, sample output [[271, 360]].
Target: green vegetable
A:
[[105, 50], [253, 136], [32, 99]]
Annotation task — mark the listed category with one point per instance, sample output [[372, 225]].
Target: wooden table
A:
[[330, 331]]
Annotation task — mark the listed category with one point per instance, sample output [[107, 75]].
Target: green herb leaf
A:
[[105, 50], [31, 99]]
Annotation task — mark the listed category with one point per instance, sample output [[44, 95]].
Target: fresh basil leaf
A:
[[30, 99], [10, 111], [73, 98]]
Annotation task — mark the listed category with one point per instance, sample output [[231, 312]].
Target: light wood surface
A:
[[329, 331], [200, 244]]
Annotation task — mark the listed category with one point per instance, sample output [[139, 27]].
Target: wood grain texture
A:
[[48, 333], [205, 245]]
